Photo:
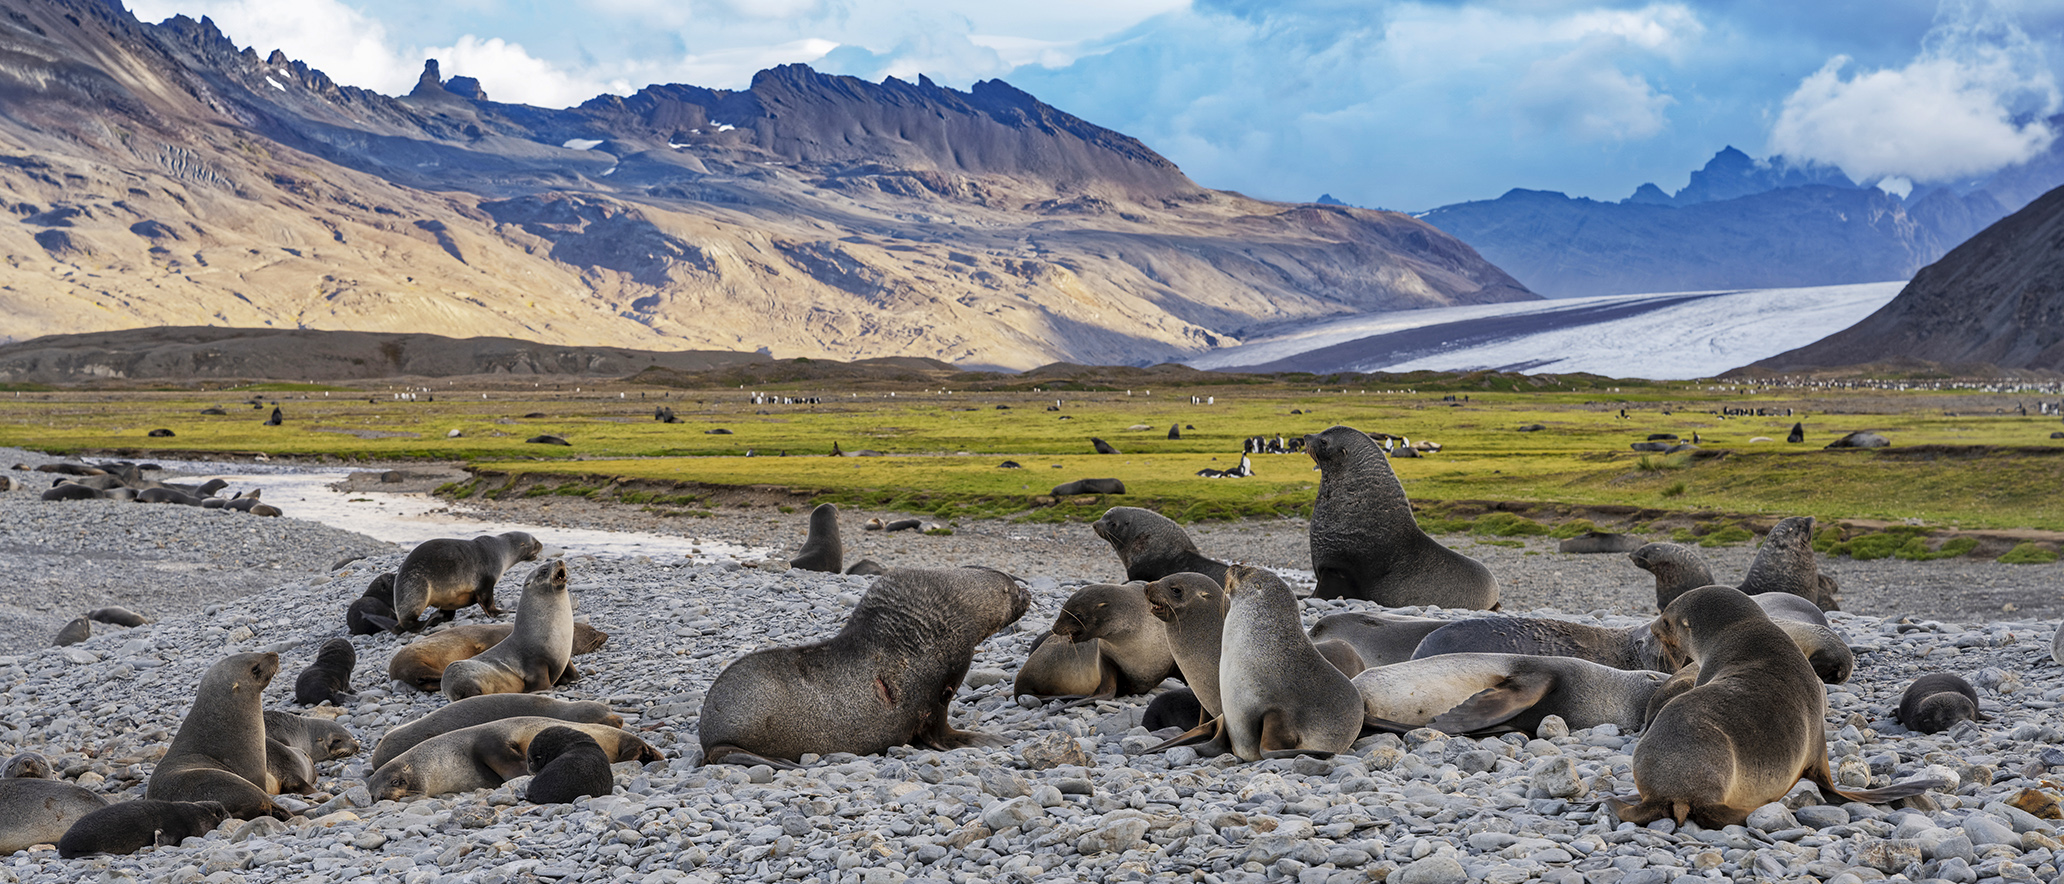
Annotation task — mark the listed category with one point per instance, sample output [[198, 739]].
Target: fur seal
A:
[[886, 679], [866, 567], [117, 615], [276, 419], [1753, 724], [449, 574], [1088, 486], [26, 765], [1936, 702], [1342, 655], [80, 629], [219, 752], [1177, 708], [131, 826], [1192, 607], [1600, 542], [167, 495], [1132, 646], [1153, 546], [1280, 697], [486, 708], [485, 756], [328, 680], [421, 664], [1101, 446], [1470, 694], [566, 765], [822, 550], [322, 739], [373, 612], [288, 770], [40, 811], [1380, 638], [70, 491], [1678, 569], [538, 652], [1365, 543], [1786, 563]]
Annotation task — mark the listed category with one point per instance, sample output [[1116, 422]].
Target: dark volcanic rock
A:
[[1997, 300]]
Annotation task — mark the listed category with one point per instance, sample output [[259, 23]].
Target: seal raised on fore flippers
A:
[[1365, 543], [1786, 563], [421, 664], [886, 679], [1752, 725], [822, 550], [449, 574], [219, 752], [538, 652], [1153, 546], [1280, 697], [328, 679]]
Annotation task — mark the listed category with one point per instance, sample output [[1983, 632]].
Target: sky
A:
[[1399, 105]]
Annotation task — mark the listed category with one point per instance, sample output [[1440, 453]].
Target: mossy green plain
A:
[[1976, 469]]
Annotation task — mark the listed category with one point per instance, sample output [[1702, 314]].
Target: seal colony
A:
[[1358, 801]]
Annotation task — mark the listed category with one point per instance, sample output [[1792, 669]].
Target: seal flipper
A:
[[1495, 705], [483, 595], [1819, 775], [1106, 690], [1195, 734], [569, 675], [727, 754]]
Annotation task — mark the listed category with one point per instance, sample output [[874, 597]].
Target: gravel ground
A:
[[1072, 797]]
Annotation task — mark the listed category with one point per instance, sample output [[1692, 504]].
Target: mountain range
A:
[[1739, 223], [160, 175]]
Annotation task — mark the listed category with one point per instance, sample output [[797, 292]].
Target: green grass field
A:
[[1974, 468]]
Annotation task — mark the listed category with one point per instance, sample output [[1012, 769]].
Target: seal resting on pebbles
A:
[[131, 826], [449, 574], [566, 765], [1936, 702], [886, 679], [485, 756], [1470, 694], [40, 811], [483, 709], [219, 752], [1366, 545], [1752, 725], [322, 739], [1132, 646], [421, 664]]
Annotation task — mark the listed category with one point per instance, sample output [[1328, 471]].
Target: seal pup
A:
[[483, 709], [117, 615], [328, 679], [80, 629], [1752, 725], [1365, 543], [219, 752], [322, 739], [1132, 646], [538, 652], [1379, 637], [485, 756], [40, 811], [566, 765], [1280, 697], [131, 826], [886, 679], [1177, 708], [822, 550], [1936, 702], [27, 765], [421, 664], [866, 567], [449, 574], [1153, 546], [373, 612], [1471, 694]]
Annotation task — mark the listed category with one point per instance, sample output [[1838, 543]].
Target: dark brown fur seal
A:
[[486, 708], [328, 680], [373, 612], [1365, 543], [40, 811], [288, 770], [886, 679], [485, 756], [1280, 697], [1753, 724], [131, 826], [538, 652], [26, 765], [1153, 546], [1936, 702], [1132, 647], [565, 766], [78, 630], [1471, 694], [822, 549], [117, 615], [219, 752], [421, 664], [449, 574]]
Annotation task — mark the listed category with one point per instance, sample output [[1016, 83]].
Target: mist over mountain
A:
[[160, 175], [1739, 223]]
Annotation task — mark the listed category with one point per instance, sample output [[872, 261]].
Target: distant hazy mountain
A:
[[1739, 223], [1997, 300], [159, 175]]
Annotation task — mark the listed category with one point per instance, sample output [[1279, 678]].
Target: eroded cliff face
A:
[[1997, 300], [158, 175]]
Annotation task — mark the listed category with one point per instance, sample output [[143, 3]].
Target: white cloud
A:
[[1970, 103], [508, 73], [342, 42], [1583, 94]]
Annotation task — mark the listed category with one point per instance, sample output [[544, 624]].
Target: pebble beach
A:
[[1072, 798]]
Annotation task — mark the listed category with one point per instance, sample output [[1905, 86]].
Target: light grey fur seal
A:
[[1470, 694], [886, 679], [537, 654], [40, 811], [1280, 696], [1365, 543]]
